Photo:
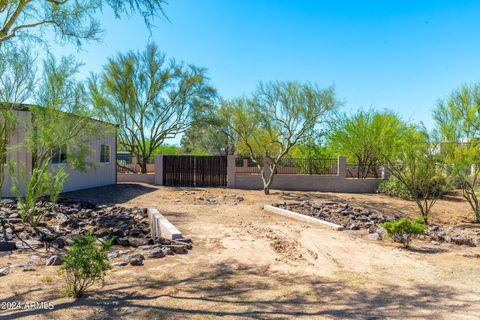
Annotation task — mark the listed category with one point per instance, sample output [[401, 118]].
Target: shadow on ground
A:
[[110, 195], [247, 292]]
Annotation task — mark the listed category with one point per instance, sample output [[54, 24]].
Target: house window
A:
[[59, 155], [105, 153]]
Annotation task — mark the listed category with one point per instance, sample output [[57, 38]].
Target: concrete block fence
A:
[[302, 182]]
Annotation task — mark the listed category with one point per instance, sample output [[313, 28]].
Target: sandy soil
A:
[[247, 263]]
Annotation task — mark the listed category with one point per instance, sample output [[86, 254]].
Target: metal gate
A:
[[195, 171]]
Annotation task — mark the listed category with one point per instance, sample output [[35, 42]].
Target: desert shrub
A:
[[85, 263], [394, 188], [403, 230], [437, 185]]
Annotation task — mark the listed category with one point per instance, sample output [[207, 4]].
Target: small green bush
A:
[[438, 185], [402, 230], [85, 263], [394, 188]]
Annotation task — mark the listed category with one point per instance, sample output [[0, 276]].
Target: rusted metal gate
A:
[[195, 171]]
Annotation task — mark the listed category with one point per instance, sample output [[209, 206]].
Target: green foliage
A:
[[151, 98], [402, 230], [413, 163], [206, 139], [72, 21], [457, 130], [41, 182], [438, 184], [60, 120], [364, 137], [85, 263], [394, 188], [275, 118]]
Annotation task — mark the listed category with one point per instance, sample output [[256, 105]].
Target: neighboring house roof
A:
[[27, 107]]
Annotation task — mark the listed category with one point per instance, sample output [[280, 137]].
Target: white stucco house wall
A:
[[102, 157]]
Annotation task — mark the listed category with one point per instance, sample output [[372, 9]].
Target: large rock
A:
[[4, 271], [137, 242], [54, 260], [178, 248], [460, 239], [136, 259], [374, 236], [159, 252]]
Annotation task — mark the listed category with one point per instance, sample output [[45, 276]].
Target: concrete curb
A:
[[161, 227], [302, 217]]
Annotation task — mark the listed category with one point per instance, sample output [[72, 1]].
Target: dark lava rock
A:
[[159, 252], [136, 259]]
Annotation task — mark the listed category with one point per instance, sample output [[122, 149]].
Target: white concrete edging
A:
[[161, 227], [302, 217]]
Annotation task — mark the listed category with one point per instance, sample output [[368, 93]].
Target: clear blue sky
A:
[[397, 55]]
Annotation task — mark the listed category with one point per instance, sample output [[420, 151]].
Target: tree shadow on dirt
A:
[[248, 292], [110, 195]]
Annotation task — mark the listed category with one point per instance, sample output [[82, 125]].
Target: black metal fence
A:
[[292, 166], [308, 166]]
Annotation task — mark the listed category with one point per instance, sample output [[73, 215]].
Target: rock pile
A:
[[66, 219], [358, 218], [453, 235], [350, 217]]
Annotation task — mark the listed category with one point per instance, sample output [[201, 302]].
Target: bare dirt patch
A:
[[243, 265]]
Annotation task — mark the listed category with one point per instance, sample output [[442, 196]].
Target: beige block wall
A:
[[323, 183]]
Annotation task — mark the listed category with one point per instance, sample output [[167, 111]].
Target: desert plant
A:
[[403, 230], [364, 137], [85, 263], [40, 182], [394, 188], [457, 128], [267, 125]]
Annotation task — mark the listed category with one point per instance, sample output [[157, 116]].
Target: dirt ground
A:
[[248, 263]]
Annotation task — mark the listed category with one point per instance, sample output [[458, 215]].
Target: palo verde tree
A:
[[60, 128], [411, 160], [70, 20], [16, 84], [457, 131], [275, 118], [150, 97], [363, 137]]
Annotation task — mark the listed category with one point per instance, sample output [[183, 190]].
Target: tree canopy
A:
[[364, 136], [71, 21], [150, 97], [275, 118], [457, 131]]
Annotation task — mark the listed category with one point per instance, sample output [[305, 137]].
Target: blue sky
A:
[[397, 55]]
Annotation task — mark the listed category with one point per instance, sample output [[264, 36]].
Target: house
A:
[[101, 169]]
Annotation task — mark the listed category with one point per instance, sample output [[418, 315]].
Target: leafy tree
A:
[[278, 115], [457, 131], [16, 84], [363, 137], [60, 124], [207, 139], [413, 163], [73, 21], [152, 99], [85, 263], [312, 147]]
